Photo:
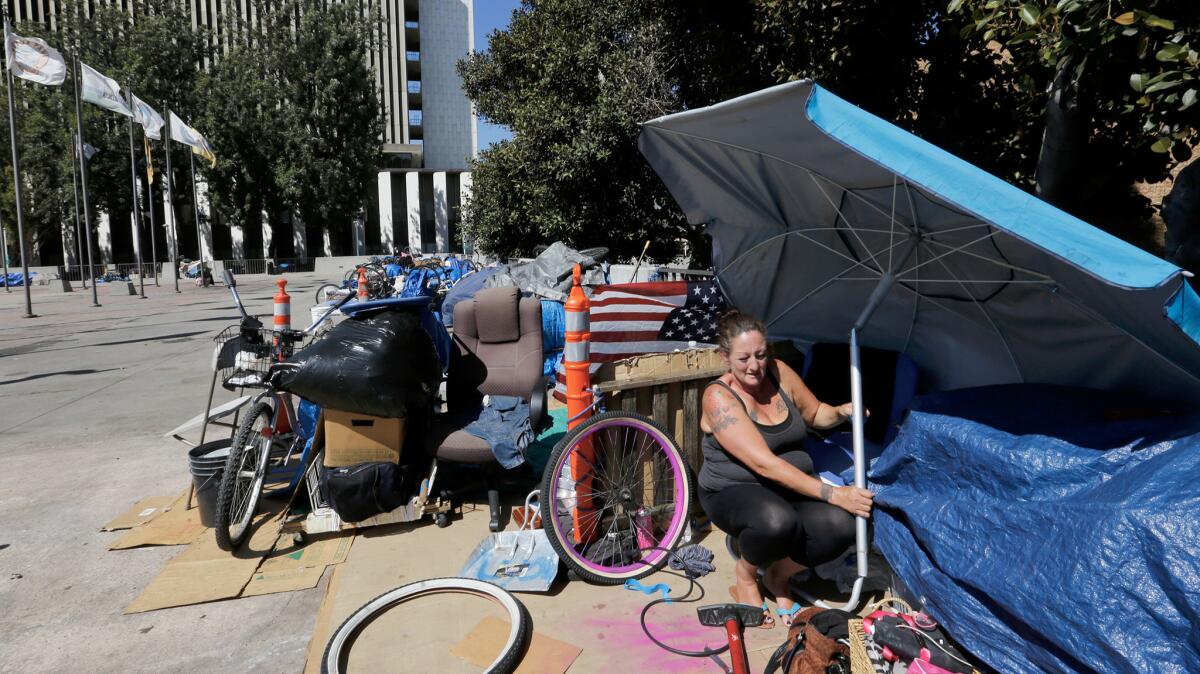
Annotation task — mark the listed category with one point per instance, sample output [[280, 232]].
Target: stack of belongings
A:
[[376, 378], [548, 278]]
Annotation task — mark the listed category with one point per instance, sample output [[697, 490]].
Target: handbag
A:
[[812, 645]]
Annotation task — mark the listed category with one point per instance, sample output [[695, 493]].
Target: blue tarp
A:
[[554, 335], [15, 279], [1049, 529], [465, 290]]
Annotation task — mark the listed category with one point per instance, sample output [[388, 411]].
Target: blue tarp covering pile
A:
[[15, 279], [1049, 529]]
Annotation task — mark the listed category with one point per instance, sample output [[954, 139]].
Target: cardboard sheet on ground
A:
[[288, 569], [177, 526], [323, 628], [140, 513], [545, 655], [204, 572], [386, 557]]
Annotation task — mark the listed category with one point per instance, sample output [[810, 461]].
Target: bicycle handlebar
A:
[[231, 283]]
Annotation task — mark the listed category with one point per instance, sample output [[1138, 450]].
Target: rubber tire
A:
[[228, 478], [442, 520], [333, 662], [556, 454], [320, 290]]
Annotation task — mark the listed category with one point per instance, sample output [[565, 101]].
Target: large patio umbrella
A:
[[832, 225]]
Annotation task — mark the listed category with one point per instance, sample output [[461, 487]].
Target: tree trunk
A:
[[1059, 178]]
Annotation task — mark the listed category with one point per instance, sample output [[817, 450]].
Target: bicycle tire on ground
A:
[[549, 481], [337, 651], [225, 492]]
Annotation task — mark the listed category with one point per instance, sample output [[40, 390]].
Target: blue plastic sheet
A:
[[554, 335], [15, 279], [1049, 529], [465, 290]]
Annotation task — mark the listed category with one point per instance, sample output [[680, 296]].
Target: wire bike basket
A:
[[246, 354]]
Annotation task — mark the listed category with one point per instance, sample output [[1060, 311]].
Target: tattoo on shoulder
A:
[[780, 406], [724, 418]]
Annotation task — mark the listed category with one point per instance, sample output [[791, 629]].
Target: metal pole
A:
[[75, 195], [171, 202], [16, 159], [196, 216], [87, 212], [137, 206], [4, 254], [153, 225]]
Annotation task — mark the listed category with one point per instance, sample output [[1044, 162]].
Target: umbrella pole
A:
[[860, 467]]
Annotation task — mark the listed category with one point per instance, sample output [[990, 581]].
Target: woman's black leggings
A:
[[773, 523]]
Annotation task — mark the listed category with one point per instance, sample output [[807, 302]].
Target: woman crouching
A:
[[758, 483]]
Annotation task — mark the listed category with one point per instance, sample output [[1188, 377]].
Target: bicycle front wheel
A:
[[619, 492], [242, 480]]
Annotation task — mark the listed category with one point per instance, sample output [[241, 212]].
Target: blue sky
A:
[[491, 15]]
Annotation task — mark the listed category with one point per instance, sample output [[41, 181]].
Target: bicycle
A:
[[265, 440], [378, 283], [619, 493]]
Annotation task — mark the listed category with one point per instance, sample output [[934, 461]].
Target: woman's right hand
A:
[[853, 500]]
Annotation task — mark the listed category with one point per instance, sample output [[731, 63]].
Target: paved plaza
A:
[[86, 394]]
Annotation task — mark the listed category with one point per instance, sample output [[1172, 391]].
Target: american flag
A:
[[634, 319]]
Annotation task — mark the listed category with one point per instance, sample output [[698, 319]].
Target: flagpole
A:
[[4, 253], [196, 216], [16, 159], [171, 202], [87, 212], [75, 195], [150, 201], [137, 206]]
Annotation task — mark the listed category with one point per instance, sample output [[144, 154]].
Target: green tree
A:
[[330, 151], [1115, 86], [242, 95], [900, 61], [573, 80], [154, 50]]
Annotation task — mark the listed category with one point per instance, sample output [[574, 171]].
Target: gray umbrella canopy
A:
[[820, 212]]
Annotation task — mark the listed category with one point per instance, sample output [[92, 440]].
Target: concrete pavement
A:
[[85, 396]]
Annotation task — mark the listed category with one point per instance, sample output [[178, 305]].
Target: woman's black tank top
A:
[[785, 439]]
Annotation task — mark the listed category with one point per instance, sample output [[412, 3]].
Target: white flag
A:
[[185, 134], [148, 117], [103, 91], [32, 59]]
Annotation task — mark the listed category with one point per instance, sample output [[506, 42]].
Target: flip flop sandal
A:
[[788, 615], [768, 620]]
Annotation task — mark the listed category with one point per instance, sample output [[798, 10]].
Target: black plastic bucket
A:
[[207, 464]]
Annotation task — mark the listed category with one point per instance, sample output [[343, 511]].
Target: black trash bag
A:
[[380, 365], [363, 491]]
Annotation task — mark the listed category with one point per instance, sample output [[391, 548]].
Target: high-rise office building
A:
[[428, 140]]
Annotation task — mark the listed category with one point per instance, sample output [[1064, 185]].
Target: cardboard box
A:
[[358, 438]]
